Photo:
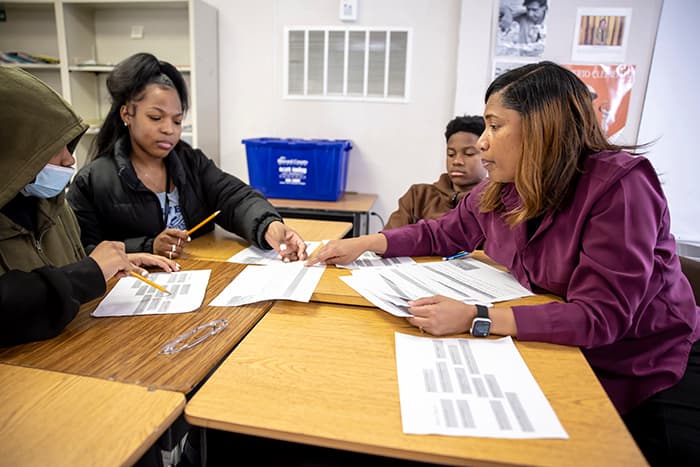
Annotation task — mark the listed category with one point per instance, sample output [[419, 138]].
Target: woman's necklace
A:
[[155, 180]]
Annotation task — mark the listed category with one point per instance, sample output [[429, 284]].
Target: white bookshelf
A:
[[90, 37]]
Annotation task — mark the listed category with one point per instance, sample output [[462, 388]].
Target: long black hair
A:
[[125, 83]]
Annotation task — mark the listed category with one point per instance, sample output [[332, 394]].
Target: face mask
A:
[[50, 182]]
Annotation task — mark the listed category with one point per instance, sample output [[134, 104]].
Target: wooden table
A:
[[57, 419], [351, 206], [325, 375], [127, 349], [220, 245]]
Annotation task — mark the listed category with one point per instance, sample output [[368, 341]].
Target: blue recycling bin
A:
[[314, 169]]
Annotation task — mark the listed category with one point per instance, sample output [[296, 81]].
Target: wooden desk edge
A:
[[171, 401], [153, 437], [331, 443]]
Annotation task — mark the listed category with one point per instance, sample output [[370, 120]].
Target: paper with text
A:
[[278, 281], [255, 255], [470, 387], [131, 297], [467, 280], [369, 259]]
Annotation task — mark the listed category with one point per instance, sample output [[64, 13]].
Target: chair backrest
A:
[[691, 269]]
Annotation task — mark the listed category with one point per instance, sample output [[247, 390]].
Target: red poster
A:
[[610, 86]]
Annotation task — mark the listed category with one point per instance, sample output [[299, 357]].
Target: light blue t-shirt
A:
[[175, 218]]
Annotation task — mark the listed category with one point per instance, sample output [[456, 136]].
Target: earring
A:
[[126, 124]]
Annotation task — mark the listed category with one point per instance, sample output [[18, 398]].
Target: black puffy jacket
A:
[[111, 203]]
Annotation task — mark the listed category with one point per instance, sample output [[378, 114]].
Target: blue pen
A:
[[461, 254]]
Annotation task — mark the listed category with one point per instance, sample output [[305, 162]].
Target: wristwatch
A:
[[481, 324]]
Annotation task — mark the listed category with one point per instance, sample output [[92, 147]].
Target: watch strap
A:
[[482, 311]]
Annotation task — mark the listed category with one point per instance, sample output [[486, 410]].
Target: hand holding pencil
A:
[[150, 282], [171, 242], [113, 261], [146, 259], [198, 226]]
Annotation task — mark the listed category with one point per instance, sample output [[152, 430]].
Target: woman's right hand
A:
[[347, 250], [170, 243]]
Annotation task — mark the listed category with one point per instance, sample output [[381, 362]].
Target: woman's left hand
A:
[[286, 242], [150, 260], [440, 315]]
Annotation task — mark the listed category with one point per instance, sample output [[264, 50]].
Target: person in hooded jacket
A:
[[147, 187], [45, 274]]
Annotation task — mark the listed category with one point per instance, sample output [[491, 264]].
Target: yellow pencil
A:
[[193, 229], [150, 282]]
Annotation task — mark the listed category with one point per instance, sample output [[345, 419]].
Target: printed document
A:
[[255, 255], [470, 387], [278, 281], [131, 296], [467, 280], [369, 259]]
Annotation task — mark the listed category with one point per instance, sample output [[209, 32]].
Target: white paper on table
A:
[[470, 387], [255, 255], [466, 280], [278, 281], [475, 279], [369, 259], [392, 304], [131, 296]]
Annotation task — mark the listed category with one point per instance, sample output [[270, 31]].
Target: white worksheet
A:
[[131, 296], [369, 259], [255, 255], [278, 281], [470, 387], [467, 280]]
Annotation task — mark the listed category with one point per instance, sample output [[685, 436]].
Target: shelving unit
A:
[[90, 37]]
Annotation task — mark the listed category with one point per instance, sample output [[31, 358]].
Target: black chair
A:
[[691, 269]]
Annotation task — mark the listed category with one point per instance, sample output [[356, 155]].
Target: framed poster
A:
[[601, 35], [521, 28]]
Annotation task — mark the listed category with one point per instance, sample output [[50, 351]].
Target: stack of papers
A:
[[369, 259], [467, 280]]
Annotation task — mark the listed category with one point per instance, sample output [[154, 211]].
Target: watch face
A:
[[481, 327]]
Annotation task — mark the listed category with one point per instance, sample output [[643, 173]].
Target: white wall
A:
[[474, 55], [394, 144], [671, 114]]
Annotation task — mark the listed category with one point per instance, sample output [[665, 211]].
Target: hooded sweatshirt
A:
[[44, 273], [426, 201]]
